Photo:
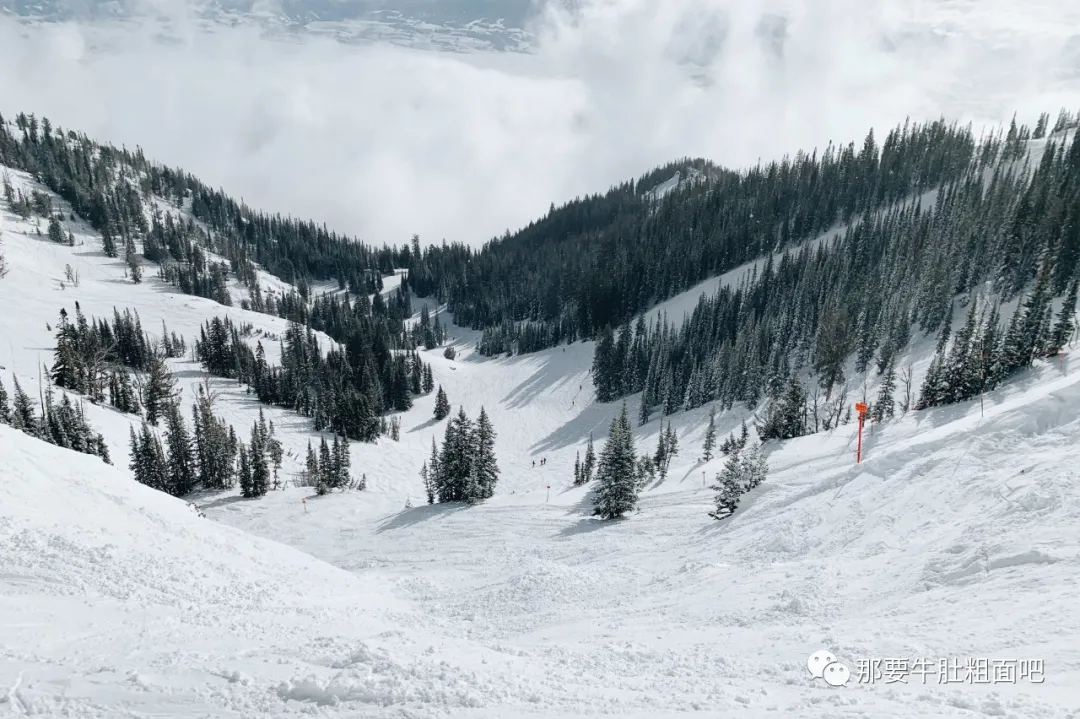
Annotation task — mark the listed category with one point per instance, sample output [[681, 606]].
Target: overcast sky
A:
[[383, 142]]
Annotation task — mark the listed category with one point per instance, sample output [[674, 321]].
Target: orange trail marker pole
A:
[[861, 408]]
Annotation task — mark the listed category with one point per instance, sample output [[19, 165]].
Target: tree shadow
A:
[[425, 425], [594, 418], [221, 502], [584, 525], [416, 515]]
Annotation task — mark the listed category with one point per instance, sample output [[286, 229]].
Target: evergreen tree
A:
[[589, 464], [23, 416], [311, 466], [885, 406], [754, 466], [181, 456], [243, 472], [710, 437], [1065, 325], [486, 468], [5, 408], [617, 484], [429, 483], [728, 488], [435, 477], [442, 404], [134, 264], [326, 468], [579, 476], [56, 232], [158, 390], [456, 459], [108, 244]]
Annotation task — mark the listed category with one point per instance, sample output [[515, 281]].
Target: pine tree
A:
[[23, 416], [486, 468], [435, 476], [429, 483], [243, 472], [643, 409], [660, 456], [1065, 324], [885, 406], [134, 264], [5, 408], [455, 461], [326, 468], [56, 232], [181, 458], [589, 464], [728, 488], [314, 476], [429, 381], [108, 244], [276, 453], [616, 472], [744, 434], [754, 466], [710, 437], [442, 404], [158, 390], [578, 475]]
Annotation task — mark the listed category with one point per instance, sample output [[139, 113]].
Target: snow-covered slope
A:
[[955, 538]]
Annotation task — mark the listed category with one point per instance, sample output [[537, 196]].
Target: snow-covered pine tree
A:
[[755, 467], [744, 434], [435, 475], [616, 492], [710, 436], [442, 404], [577, 469], [728, 488]]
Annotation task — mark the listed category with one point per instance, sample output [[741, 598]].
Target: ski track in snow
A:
[[956, 537]]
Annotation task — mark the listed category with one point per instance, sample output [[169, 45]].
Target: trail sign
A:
[[861, 408]]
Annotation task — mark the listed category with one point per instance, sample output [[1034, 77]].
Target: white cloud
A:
[[383, 141]]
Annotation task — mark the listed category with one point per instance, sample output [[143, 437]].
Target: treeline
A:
[[112, 187], [854, 302], [93, 359], [465, 469], [344, 390], [63, 424], [598, 261]]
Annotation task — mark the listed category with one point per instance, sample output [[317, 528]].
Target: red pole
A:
[[858, 452]]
